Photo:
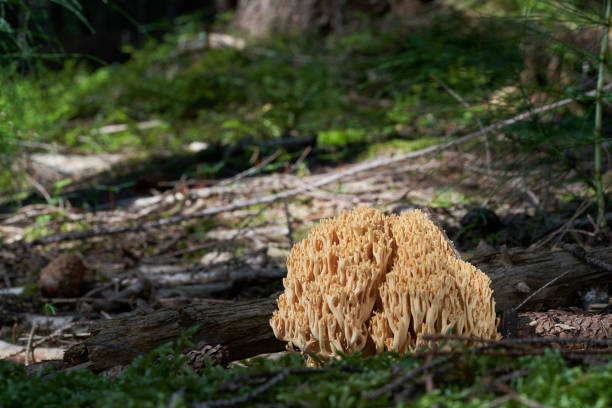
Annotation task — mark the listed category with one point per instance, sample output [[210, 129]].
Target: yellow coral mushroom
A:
[[332, 283], [367, 282]]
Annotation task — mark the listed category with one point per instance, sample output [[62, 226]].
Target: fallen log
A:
[[244, 329], [515, 274], [241, 326]]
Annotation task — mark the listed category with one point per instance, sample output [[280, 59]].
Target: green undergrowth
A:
[[382, 87], [374, 82], [161, 379]]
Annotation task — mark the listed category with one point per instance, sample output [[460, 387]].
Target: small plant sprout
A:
[[50, 309]]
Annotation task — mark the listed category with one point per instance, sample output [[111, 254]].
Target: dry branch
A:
[[18, 354], [250, 171]]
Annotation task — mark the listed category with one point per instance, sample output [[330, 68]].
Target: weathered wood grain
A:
[[515, 274], [242, 327]]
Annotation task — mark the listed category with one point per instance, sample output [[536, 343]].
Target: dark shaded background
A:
[[117, 23]]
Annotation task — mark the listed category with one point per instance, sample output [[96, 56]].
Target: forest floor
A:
[[228, 238], [227, 242], [119, 216]]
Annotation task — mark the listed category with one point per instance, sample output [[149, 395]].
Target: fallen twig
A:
[[217, 244], [300, 159], [514, 396], [409, 376], [16, 353], [83, 299], [525, 340], [248, 396], [58, 332], [478, 121], [579, 253], [41, 189], [506, 377], [584, 256], [547, 284], [5, 277], [29, 345], [289, 227], [560, 232], [251, 170], [122, 127]]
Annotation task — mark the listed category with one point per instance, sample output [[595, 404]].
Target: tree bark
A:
[[260, 17], [243, 326], [222, 6], [405, 8]]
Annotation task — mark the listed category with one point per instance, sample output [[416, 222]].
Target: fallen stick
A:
[[368, 165], [250, 171], [18, 354]]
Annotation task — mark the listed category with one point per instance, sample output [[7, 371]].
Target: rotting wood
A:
[[241, 326], [244, 328], [335, 176]]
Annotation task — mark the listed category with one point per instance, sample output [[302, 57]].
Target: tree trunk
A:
[[260, 17], [406, 8], [244, 328], [222, 6]]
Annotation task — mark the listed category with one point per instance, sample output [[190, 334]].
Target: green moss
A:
[[156, 379], [340, 137], [447, 197]]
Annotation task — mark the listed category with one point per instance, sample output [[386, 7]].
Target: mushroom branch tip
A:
[[365, 281]]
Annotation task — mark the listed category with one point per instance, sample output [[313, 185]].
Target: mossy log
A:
[[244, 328]]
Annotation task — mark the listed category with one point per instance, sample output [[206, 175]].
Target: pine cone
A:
[[62, 277], [217, 355]]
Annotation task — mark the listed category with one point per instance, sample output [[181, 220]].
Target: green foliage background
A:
[[378, 83]]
